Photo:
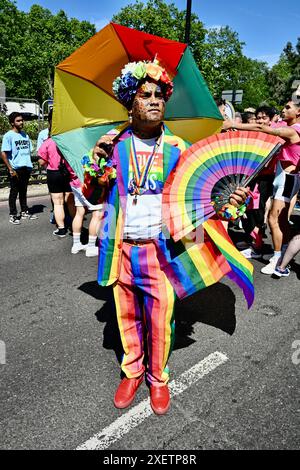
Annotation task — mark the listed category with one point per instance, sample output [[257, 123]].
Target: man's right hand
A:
[[12, 172], [103, 147]]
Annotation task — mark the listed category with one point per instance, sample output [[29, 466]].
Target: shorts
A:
[[81, 201], [57, 183], [285, 185]]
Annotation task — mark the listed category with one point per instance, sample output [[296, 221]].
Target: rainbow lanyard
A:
[[140, 177]]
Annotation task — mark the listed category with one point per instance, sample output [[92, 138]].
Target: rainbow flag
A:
[[241, 270]]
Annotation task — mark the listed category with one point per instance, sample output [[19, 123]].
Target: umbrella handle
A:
[[108, 148]]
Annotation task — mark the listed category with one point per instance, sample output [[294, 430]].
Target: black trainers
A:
[[14, 219], [281, 272], [27, 215], [60, 232]]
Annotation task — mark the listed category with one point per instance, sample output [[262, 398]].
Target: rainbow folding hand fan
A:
[[208, 172]]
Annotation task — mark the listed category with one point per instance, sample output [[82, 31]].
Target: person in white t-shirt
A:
[[142, 265]]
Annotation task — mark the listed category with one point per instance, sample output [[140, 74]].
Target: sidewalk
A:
[[33, 191]]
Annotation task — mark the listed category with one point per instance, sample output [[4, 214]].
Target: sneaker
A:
[[251, 253], [281, 272], [60, 232], [14, 219], [242, 245], [270, 267], [78, 247], [91, 251], [27, 215]]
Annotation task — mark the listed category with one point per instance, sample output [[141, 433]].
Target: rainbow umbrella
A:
[[85, 107]]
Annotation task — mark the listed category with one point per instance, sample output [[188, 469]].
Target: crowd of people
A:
[[146, 269], [276, 188], [68, 202]]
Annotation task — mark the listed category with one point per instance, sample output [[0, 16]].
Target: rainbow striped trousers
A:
[[145, 302]]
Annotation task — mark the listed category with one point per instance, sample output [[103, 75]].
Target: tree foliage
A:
[[283, 74], [4, 124], [218, 57], [32, 44]]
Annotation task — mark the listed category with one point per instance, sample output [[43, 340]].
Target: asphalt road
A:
[[62, 347]]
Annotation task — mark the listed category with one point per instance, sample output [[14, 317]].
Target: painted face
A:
[[263, 118], [19, 122], [149, 103]]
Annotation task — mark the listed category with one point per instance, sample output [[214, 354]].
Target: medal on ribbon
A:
[[137, 183]]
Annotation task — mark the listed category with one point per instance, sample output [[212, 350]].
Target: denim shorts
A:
[[285, 185]]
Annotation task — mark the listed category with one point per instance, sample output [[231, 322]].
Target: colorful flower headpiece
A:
[[104, 170], [229, 212], [133, 75]]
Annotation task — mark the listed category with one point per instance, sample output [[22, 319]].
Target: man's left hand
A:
[[239, 196]]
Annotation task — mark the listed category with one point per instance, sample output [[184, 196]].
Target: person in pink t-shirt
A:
[[286, 183], [59, 176]]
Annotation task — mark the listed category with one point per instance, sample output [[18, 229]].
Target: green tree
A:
[[251, 77], [4, 125], [284, 73], [278, 77], [33, 44], [232, 69], [11, 34], [218, 59]]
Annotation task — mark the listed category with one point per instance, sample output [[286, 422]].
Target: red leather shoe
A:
[[126, 391], [159, 399]]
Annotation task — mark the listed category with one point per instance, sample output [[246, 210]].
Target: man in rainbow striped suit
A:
[[145, 266]]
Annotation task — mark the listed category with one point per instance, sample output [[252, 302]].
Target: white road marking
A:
[[143, 410]]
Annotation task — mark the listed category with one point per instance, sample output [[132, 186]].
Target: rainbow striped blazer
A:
[[189, 266]]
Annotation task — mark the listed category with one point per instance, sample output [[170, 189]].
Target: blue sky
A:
[[264, 25]]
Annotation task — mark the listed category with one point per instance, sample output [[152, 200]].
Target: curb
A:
[[34, 190]]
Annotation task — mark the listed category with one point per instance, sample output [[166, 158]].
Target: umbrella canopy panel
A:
[[79, 103], [144, 46], [99, 60], [191, 97], [75, 144]]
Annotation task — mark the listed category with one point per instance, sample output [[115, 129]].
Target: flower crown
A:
[[133, 75]]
